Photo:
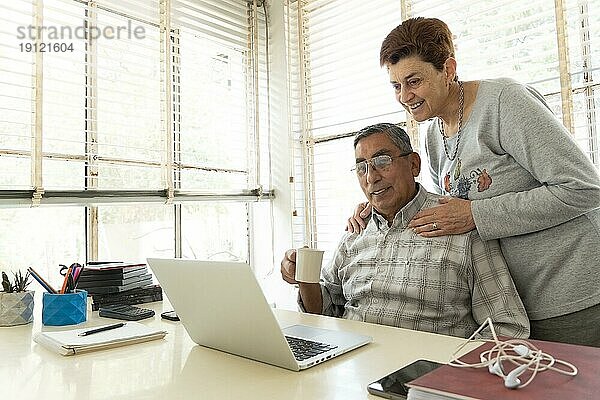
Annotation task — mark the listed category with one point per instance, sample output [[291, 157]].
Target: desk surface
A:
[[176, 368]]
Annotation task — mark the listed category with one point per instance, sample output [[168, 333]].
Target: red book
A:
[[449, 382]]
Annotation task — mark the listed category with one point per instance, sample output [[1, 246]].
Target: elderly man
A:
[[389, 275]]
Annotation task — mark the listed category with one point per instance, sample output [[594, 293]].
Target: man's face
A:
[[387, 189]]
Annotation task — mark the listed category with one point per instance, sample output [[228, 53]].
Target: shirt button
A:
[[375, 301]]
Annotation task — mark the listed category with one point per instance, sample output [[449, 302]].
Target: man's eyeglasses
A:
[[380, 163]]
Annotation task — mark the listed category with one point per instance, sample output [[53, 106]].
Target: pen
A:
[[70, 285], [76, 278], [102, 329]]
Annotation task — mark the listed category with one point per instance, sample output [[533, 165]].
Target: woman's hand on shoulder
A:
[[452, 217], [358, 221]]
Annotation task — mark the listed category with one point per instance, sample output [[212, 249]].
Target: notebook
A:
[[448, 382], [69, 342], [222, 306]]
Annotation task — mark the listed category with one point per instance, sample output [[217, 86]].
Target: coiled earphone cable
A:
[[519, 352]]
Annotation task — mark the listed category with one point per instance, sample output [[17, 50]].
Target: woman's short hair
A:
[[429, 38]]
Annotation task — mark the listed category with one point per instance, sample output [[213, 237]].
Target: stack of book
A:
[[118, 283], [113, 277]]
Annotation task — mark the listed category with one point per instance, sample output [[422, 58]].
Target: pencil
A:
[[66, 281], [41, 280]]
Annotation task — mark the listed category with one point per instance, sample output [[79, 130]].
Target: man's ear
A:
[[415, 164]]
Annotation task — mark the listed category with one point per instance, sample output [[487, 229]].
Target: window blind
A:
[[17, 85], [103, 104], [213, 145], [343, 90], [127, 106], [343, 43], [64, 106]]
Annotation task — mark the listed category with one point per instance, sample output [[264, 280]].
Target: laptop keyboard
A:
[[304, 349]]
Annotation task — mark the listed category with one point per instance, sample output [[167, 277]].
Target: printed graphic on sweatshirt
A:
[[458, 185]]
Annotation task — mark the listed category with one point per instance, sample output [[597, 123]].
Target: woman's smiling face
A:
[[419, 87]]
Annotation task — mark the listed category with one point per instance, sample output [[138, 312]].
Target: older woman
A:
[[513, 173]]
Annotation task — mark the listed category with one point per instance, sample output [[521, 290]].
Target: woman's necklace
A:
[[461, 109]]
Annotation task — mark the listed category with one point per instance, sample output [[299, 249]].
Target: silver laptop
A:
[[222, 306]]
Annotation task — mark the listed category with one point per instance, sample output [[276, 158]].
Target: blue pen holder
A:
[[64, 309]]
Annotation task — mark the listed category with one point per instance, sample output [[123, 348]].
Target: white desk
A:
[[176, 368]]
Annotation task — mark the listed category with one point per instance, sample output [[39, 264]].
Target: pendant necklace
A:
[[461, 108]]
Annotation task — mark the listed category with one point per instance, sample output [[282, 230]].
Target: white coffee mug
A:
[[308, 265]]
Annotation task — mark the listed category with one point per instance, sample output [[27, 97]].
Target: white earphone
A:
[[518, 352], [511, 380]]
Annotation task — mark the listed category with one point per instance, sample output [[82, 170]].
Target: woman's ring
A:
[[434, 225]]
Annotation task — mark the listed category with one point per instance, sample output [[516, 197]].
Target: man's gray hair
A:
[[393, 131]]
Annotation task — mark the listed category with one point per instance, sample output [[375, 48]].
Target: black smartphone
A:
[[393, 385], [170, 315]]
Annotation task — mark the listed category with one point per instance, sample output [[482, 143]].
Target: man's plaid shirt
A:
[[448, 284]]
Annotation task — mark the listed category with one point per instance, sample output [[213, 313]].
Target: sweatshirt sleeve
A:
[[569, 183], [493, 292]]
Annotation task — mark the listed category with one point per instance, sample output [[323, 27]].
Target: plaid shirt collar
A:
[[403, 217]]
